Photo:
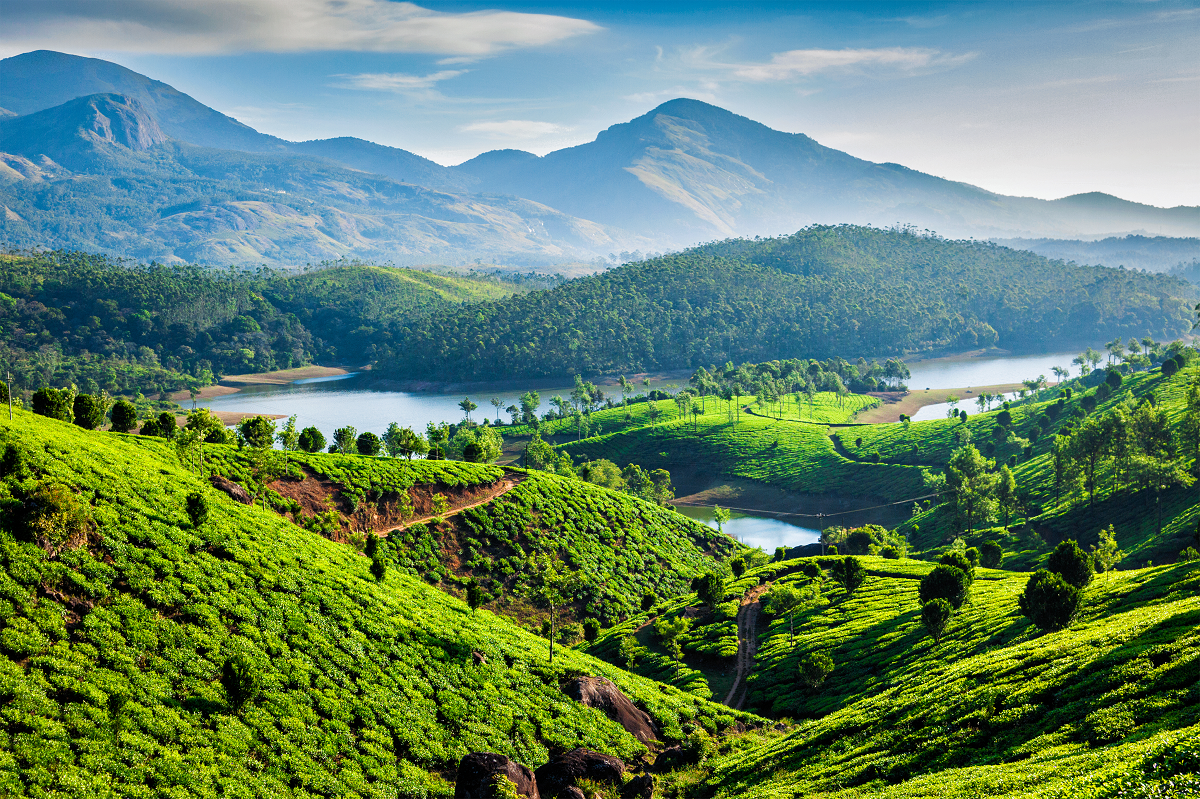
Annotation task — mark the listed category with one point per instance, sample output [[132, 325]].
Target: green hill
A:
[[823, 292], [119, 617]]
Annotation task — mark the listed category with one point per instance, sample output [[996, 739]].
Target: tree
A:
[[540, 455], [1071, 563], [368, 444], [345, 440], [437, 435], [197, 509], [991, 554], [1006, 492], [379, 566], [165, 426], [960, 561], [311, 440], [54, 403], [549, 584], [944, 582], [1105, 554], [968, 475], [815, 668], [935, 615], [124, 416], [669, 631], [591, 629], [649, 599], [628, 651], [1169, 367], [288, 438], [241, 681], [474, 595], [849, 574], [709, 588], [738, 566], [89, 411], [497, 403], [530, 402], [467, 406], [1049, 601], [783, 600], [256, 432]]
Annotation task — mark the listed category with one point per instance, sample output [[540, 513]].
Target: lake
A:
[[767, 532], [331, 402]]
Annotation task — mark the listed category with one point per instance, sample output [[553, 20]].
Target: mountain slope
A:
[[689, 170], [170, 201]]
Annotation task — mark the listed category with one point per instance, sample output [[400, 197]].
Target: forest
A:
[[825, 291]]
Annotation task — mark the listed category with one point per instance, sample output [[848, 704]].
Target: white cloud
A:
[[394, 81], [514, 129], [227, 26], [802, 63]]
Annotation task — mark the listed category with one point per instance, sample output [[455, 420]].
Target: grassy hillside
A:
[[996, 708], [825, 291], [119, 617]]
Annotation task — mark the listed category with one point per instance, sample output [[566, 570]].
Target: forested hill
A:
[[825, 291]]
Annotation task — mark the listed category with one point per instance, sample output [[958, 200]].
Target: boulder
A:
[[235, 491], [477, 770], [670, 759], [640, 787], [605, 696], [554, 778], [573, 793]]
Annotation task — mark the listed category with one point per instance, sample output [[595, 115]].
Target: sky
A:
[[1038, 99]]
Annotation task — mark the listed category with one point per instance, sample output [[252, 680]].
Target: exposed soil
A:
[[229, 384], [747, 623], [894, 403]]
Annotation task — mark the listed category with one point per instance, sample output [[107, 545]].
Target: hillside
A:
[[126, 328], [822, 292], [119, 616], [1156, 254], [138, 193]]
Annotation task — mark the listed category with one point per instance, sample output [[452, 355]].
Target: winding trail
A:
[[507, 483], [747, 621]]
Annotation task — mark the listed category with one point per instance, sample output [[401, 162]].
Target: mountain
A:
[[42, 79], [689, 171], [1156, 254], [826, 291], [99, 173]]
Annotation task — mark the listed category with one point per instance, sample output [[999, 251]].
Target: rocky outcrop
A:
[[605, 696], [235, 491], [477, 772], [640, 787], [560, 774]]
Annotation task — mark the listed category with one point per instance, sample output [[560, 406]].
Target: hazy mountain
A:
[[690, 170], [42, 79], [1157, 254], [98, 173]]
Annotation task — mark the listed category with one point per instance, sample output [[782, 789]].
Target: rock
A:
[[554, 778], [605, 696], [235, 491], [573, 793], [670, 758], [640, 787], [477, 769], [480, 658]]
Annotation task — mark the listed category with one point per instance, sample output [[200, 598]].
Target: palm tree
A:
[[1061, 373], [467, 406], [497, 403]]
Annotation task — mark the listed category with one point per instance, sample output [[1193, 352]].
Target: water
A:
[[967, 372], [767, 532]]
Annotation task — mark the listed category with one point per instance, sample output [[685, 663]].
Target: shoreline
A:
[[281, 377], [893, 403]]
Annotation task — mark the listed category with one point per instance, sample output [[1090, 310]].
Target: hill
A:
[[823, 292], [74, 183], [688, 171], [1153, 253], [151, 328]]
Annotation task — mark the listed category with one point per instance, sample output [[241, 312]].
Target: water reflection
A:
[[767, 532]]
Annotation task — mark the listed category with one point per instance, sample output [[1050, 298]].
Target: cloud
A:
[[514, 129], [803, 63], [399, 82], [230, 26]]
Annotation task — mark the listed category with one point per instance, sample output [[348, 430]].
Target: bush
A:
[[709, 588], [944, 582], [991, 554], [738, 565], [811, 569], [1113, 379], [197, 509], [815, 668], [1108, 725], [591, 629], [54, 403], [1049, 601], [1071, 563], [1169, 367], [648, 600], [1188, 555], [961, 562], [124, 416], [972, 556], [369, 444], [935, 615], [89, 411], [849, 574], [311, 440], [241, 682]]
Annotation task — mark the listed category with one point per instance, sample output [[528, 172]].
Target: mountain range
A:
[[97, 156]]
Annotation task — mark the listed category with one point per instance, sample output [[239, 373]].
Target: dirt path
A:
[[747, 621], [507, 483]]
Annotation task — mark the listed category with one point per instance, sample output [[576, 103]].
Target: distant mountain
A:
[[1157, 253], [42, 79], [98, 173], [689, 170]]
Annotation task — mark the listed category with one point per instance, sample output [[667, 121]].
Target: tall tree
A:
[[968, 475], [550, 584]]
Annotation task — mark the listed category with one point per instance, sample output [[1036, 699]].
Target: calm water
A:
[[986, 371], [757, 531]]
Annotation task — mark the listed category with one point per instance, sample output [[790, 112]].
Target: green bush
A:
[[54, 403], [368, 444], [311, 440], [1109, 724], [89, 411], [241, 680], [1071, 563], [1049, 601], [124, 416], [849, 574], [960, 561], [945, 582], [991, 554], [935, 615], [815, 668]]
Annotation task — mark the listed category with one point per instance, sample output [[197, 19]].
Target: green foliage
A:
[[709, 588], [949, 583], [935, 615], [1071, 563], [197, 509], [89, 412], [960, 561], [849, 574], [311, 440], [241, 680], [368, 444], [991, 554], [1049, 601], [815, 668], [256, 432], [54, 403], [124, 416], [737, 566]]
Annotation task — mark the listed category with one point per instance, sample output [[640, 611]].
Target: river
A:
[[767, 532]]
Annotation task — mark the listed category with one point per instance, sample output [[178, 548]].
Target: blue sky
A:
[[1028, 98]]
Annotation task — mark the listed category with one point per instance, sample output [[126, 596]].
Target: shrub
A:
[[379, 566], [54, 403], [1113, 379], [368, 444], [241, 681], [311, 440], [961, 562], [991, 554], [859, 542], [972, 556], [124, 416], [89, 411], [1169, 367], [811, 569], [256, 432], [738, 566], [1071, 563], [944, 582], [780, 554], [1049, 601], [648, 600], [935, 615], [197, 509], [815, 668], [709, 588], [849, 574], [1188, 555], [890, 552], [591, 629], [1108, 725]]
